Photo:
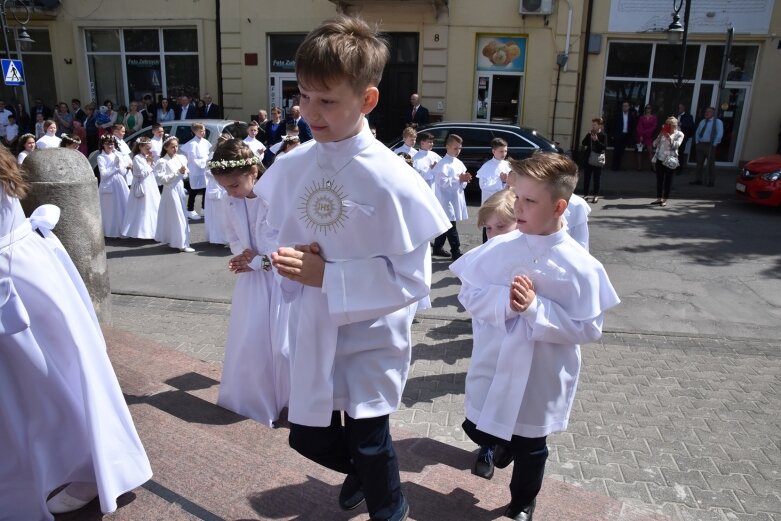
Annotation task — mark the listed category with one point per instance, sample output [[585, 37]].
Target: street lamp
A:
[[15, 6], [677, 33]]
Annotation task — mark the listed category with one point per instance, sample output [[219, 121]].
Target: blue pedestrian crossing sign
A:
[[13, 72]]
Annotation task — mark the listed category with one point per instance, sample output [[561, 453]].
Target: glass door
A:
[[498, 98], [283, 92], [731, 110]]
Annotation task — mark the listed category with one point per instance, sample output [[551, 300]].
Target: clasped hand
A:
[[240, 263], [302, 264], [521, 293]]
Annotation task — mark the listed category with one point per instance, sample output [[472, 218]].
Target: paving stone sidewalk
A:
[[690, 426]]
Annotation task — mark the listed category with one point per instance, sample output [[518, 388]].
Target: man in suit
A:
[[707, 138], [304, 132], [418, 114], [77, 112], [186, 108], [148, 111], [210, 110], [622, 130], [686, 124]]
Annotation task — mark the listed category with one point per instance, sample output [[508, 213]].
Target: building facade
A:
[[547, 64]]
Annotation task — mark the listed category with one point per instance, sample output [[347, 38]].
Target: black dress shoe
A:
[[351, 494], [695, 182], [521, 514], [502, 456], [401, 514], [456, 255], [439, 252], [484, 465]]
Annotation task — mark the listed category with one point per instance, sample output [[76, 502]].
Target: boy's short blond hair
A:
[[559, 172], [409, 132], [342, 47], [197, 126], [500, 204]]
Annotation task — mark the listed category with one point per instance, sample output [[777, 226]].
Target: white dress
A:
[[256, 373], [373, 217], [215, 213], [21, 157], [448, 189], [141, 215], [62, 414], [47, 141], [113, 193], [172, 225]]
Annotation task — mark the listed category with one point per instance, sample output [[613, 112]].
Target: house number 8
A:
[[436, 37]]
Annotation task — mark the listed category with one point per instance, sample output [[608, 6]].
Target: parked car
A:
[[182, 129], [476, 149], [760, 180]]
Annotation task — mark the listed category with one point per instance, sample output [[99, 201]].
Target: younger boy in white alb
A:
[[450, 179], [365, 220], [198, 152], [256, 146], [426, 159], [541, 295], [409, 135], [493, 174]]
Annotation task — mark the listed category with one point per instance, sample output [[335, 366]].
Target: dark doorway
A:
[[399, 80]]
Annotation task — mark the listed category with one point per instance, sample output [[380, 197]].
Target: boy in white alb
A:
[[198, 151], [450, 179], [256, 146], [535, 295], [493, 174], [426, 159], [366, 220], [409, 135]]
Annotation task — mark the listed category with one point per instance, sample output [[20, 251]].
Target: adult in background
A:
[[91, 127], [64, 119], [4, 114], [133, 119], [40, 108], [646, 130], [707, 137], [685, 125], [262, 119], [210, 110], [418, 115], [667, 144], [186, 108], [165, 112], [148, 111], [76, 111], [595, 142], [304, 132], [275, 128], [622, 130]]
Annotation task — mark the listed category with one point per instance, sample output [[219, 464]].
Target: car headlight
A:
[[772, 176]]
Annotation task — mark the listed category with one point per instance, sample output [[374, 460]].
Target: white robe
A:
[[172, 225], [576, 219], [113, 193], [215, 214], [62, 414], [448, 189], [256, 146], [256, 373], [198, 152], [124, 153], [424, 161], [47, 141], [405, 149], [489, 177], [373, 218], [524, 368], [141, 215]]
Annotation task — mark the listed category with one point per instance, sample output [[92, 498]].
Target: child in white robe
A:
[[426, 159], [251, 140], [256, 373], [493, 174], [63, 419], [450, 179], [144, 199], [362, 221], [539, 295], [197, 150], [408, 135], [49, 138], [172, 225], [113, 187]]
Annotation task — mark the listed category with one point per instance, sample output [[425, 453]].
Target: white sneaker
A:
[[187, 250], [193, 216], [64, 502]]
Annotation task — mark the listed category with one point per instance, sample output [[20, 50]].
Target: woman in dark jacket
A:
[[593, 142]]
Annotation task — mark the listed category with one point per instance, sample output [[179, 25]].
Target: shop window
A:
[[142, 40], [103, 40], [667, 61], [180, 40], [181, 74], [629, 60], [106, 73], [740, 67]]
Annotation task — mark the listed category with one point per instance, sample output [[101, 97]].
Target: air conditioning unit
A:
[[536, 7]]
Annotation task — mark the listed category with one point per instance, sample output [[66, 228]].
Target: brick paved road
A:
[[688, 425]]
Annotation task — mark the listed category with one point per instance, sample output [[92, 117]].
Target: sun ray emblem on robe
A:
[[322, 206]]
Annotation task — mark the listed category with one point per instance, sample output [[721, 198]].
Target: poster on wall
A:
[[143, 77], [501, 53], [707, 16]]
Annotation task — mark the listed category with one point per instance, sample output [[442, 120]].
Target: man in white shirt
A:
[[707, 138], [186, 109]]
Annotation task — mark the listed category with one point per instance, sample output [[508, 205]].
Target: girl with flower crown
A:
[[256, 373], [171, 170], [113, 187], [144, 200]]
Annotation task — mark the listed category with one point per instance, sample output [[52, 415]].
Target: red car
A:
[[760, 180]]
